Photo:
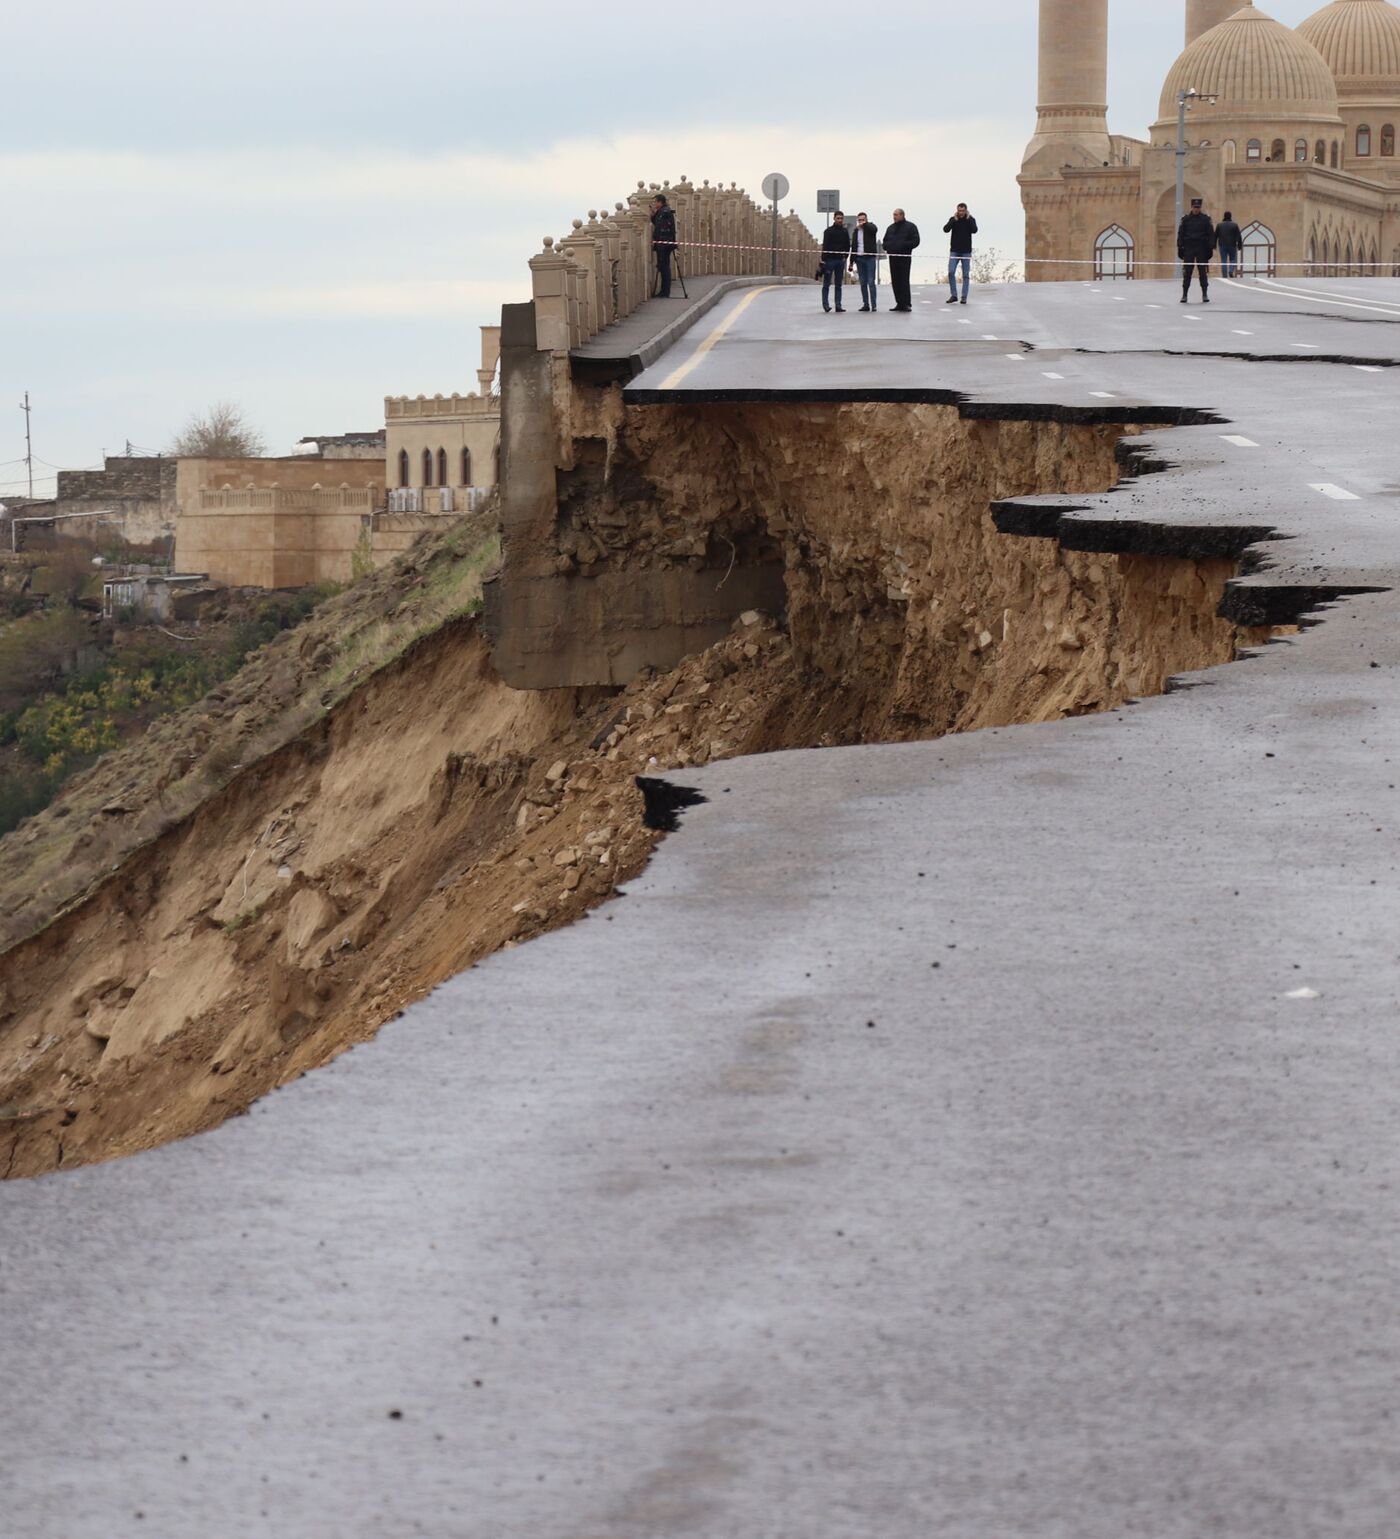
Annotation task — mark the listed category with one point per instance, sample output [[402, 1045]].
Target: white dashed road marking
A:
[[1015, 358], [1053, 376], [986, 337], [1104, 395], [1336, 493], [1244, 333], [1305, 347], [1368, 368], [1239, 441]]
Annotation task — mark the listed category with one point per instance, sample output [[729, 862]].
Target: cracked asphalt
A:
[[991, 1138]]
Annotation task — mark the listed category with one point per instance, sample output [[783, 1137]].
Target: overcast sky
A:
[[304, 206]]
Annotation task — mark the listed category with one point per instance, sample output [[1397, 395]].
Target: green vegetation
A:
[[48, 735]]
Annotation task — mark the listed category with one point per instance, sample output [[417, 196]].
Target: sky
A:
[[303, 207]]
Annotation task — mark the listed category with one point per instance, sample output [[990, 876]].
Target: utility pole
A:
[[28, 444]]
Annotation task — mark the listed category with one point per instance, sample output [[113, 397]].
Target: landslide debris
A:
[[371, 810]]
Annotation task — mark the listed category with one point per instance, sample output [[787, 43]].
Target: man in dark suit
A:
[[900, 242]]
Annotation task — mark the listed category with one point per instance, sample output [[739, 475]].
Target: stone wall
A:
[[137, 490], [275, 523]]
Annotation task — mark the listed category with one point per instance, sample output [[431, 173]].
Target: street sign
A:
[[829, 201], [776, 187]]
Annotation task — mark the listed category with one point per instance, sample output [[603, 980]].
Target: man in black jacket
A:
[[900, 242], [663, 240], [836, 252], [962, 227], [1195, 245], [1230, 241]]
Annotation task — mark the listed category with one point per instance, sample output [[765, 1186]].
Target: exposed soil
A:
[[434, 815]]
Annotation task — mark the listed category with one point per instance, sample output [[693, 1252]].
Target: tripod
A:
[[675, 272]]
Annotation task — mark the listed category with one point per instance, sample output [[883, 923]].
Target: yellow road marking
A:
[[695, 358]]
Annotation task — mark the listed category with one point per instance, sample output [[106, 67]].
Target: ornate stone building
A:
[[440, 447], [1295, 135]]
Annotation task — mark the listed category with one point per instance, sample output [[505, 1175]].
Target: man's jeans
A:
[[832, 267], [1229, 261], [953, 262], [663, 267], [866, 270]]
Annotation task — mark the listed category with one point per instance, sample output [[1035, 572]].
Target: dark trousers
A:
[[1202, 269], [833, 269], [900, 267], [1229, 261], [663, 266]]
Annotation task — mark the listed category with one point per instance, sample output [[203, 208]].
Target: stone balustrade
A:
[[277, 499], [603, 269], [412, 406]]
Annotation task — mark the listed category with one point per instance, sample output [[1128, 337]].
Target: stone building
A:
[[439, 448], [1295, 134], [132, 495], [276, 523]]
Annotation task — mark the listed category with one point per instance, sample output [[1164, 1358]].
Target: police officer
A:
[[1195, 245]]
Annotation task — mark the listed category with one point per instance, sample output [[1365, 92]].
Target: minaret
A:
[[1202, 15], [1072, 122]]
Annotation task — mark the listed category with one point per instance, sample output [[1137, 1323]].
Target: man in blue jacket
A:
[[962, 227]]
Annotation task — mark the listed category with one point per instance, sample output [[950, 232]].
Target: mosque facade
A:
[[1294, 132]]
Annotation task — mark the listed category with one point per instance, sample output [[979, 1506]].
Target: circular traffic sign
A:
[[776, 187]]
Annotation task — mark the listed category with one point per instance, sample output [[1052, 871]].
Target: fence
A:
[[603, 270]]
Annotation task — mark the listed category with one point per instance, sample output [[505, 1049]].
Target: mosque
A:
[[1294, 133]]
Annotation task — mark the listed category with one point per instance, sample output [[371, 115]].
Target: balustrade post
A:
[[550, 282]]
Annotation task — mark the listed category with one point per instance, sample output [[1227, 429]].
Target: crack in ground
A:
[[1344, 359]]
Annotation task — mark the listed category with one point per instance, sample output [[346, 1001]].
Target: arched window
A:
[[1300, 151], [1374, 270], [1388, 140], [1232, 152], [1277, 151], [1114, 252], [1336, 154], [1321, 156], [403, 467], [466, 467], [427, 467], [1363, 139], [1260, 256], [1312, 255], [442, 468], [1346, 271], [1254, 152]]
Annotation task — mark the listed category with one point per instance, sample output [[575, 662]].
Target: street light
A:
[[1183, 103]]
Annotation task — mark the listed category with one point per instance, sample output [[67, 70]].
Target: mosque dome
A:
[[1258, 67], [1360, 40]]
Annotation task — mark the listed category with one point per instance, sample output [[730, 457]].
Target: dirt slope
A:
[[431, 815]]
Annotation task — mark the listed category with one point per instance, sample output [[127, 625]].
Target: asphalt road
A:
[[990, 1139]]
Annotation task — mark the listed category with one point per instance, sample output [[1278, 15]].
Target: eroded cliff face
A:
[[436, 815], [900, 591]]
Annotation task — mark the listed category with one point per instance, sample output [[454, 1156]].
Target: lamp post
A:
[[1183, 104]]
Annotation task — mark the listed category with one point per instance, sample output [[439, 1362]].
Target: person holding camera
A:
[[836, 252], [663, 240], [962, 227], [901, 240], [865, 261]]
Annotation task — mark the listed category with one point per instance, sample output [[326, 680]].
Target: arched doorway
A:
[[1260, 257], [1114, 253]]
